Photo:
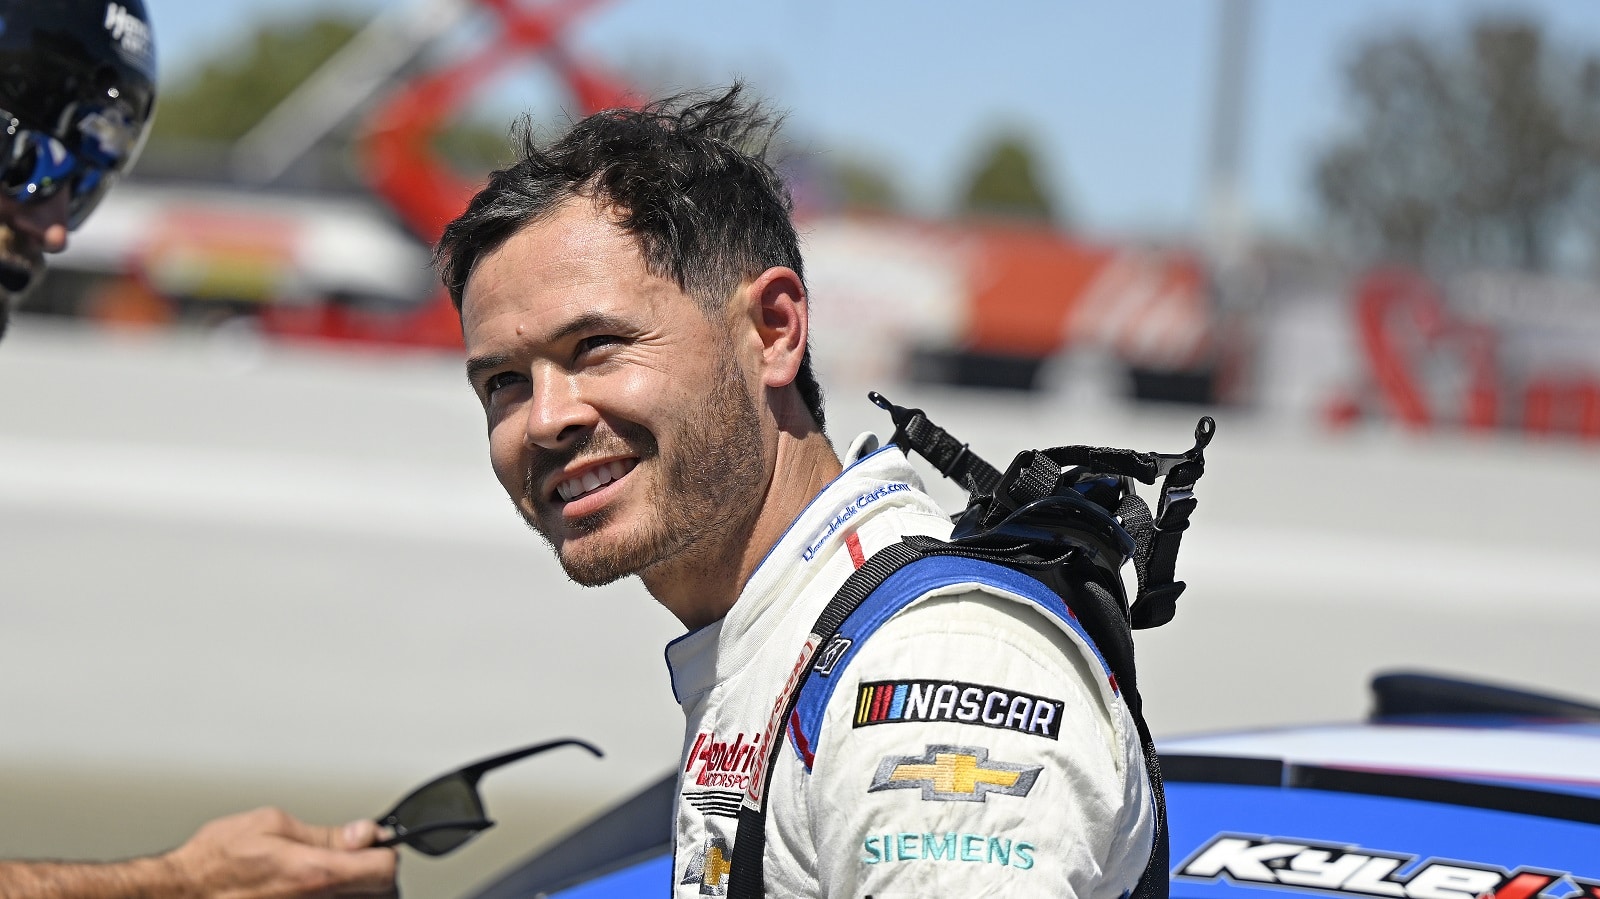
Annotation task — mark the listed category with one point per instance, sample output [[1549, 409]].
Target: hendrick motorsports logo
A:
[[722, 763], [1351, 870]]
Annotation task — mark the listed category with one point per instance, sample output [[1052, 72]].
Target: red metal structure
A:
[[1403, 319], [1407, 330], [396, 151]]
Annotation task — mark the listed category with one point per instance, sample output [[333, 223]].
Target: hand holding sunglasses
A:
[[444, 813]]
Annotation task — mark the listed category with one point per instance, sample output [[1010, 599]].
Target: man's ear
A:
[[781, 317]]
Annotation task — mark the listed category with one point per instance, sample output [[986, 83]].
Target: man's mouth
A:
[[592, 479]]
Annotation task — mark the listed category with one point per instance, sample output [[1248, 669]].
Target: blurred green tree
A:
[[1006, 183], [862, 185], [474, 145], [223, 96], [1477, 150]]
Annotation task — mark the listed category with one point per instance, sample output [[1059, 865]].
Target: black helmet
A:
[[77, 76]]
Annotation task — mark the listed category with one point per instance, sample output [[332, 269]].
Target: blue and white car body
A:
[[1463, 809]]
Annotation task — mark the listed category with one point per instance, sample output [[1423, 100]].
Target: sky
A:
[[1116, 98]]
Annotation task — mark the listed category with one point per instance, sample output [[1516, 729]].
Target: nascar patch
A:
[[894, 702]]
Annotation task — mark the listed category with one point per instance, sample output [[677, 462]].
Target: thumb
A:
[[358, 834]]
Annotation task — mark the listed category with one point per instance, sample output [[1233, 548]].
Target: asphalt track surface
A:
[[238, 574]]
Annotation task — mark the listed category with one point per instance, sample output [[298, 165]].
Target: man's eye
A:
[[597, 341], [502, 379]]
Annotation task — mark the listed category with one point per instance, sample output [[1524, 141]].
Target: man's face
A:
[[27, 232], [622, 419]]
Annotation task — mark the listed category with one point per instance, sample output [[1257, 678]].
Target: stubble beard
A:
[[706, 499]]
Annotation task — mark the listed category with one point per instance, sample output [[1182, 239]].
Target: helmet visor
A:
[[97, 146]]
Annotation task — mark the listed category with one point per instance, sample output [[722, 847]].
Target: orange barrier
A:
[[1036, 292], [1407, 330]]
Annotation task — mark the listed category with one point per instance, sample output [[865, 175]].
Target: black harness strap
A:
[[1153, 882], [950, 456], [1038, 473], [1158, 591], [746, 879], [1096, 596]]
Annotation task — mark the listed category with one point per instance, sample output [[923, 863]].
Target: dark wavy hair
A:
[[689, 178]]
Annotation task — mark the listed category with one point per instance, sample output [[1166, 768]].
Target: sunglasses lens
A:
[[446, 839], [445, 801], [446, 812]]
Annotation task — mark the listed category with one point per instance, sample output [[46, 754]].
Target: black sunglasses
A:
[[444, 813]]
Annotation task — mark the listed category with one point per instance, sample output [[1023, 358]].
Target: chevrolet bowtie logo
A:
[[709, 867], [954, 774], [716, 867]]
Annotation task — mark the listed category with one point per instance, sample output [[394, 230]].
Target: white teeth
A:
[[593, 479]]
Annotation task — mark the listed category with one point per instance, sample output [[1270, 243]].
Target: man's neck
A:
[[699, 590]]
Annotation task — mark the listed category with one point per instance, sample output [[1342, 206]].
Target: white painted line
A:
[[231, 487]]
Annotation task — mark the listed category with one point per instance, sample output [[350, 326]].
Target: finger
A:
[[360, 834], [312, 835], [367, 872]]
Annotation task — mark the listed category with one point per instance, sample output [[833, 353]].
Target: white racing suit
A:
[[976, 745]]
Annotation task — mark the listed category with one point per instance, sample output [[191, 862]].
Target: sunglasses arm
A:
[[483, 766], [406, 836]]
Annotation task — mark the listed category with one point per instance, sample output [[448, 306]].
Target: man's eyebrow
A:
[[477, 365], [590, 321]]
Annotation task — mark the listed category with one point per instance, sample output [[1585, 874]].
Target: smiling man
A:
[[648, 455], [636, 319]]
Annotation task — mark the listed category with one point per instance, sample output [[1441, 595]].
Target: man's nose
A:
[[557, 412], [46, 221]]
